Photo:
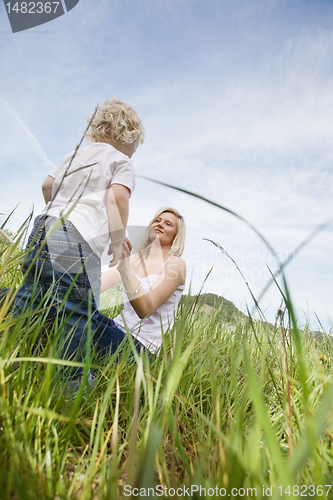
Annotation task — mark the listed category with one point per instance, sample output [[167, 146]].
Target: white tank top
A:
[[149, 330]]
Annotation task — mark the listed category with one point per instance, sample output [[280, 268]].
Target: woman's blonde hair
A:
[[177, 245], [115, 120]]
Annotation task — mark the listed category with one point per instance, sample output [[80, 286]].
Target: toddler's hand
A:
[[116, 250], [126, 254]]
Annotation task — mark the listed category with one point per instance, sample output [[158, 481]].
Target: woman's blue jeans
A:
[[62, 274]]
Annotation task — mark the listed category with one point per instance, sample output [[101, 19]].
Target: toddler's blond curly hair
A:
[[115, 120]]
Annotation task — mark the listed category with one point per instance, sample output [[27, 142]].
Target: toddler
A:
[[87, 200]]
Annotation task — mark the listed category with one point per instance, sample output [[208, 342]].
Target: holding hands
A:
[[115, 249], [126, 249], [120, 252]]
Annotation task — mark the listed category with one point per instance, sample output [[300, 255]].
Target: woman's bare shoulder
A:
[[178, 265], [176, 260]]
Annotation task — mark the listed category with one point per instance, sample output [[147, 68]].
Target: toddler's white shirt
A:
[[94, 169]]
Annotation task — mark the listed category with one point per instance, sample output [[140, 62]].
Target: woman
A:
[[153, 281]]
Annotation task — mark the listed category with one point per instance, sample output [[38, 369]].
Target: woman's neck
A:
[[156, 250], [154, 262]]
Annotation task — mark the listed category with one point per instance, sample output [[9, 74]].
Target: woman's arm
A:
[[174, 275], [109, 279], [145, 303]]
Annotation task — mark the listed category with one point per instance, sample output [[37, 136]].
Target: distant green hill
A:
[[209, 301], [228, 313]]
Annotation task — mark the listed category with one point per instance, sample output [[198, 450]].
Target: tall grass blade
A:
[[231, 212]]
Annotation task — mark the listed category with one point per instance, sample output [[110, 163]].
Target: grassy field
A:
[[237, 409]]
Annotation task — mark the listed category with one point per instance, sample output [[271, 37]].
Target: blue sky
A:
[[237, 102]]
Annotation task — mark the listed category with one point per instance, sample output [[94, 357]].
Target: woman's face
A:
[[165, 228]]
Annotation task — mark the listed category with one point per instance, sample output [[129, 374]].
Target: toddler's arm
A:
[[47, 188], [117, 208]]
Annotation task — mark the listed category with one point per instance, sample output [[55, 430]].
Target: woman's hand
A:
[[112, 277], [124, 263]]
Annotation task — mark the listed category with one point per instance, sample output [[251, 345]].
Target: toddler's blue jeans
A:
[[108, 337], [63, 275]]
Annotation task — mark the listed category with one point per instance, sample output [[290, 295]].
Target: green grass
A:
[[220, 407]]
